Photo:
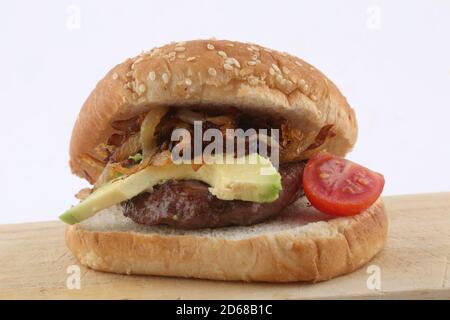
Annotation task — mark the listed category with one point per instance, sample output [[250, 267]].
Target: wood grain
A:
[[414, 264]]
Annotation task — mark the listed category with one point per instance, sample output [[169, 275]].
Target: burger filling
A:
[[189, 204], [137, 170]]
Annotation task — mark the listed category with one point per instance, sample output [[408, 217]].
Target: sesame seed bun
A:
[[302, 244], [213, 74]]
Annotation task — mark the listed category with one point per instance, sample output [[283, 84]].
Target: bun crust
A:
[[211, 74], [301, 245]]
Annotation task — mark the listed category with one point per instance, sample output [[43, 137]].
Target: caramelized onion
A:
[[110, 172], [323, 134], [115, 170], [128, 125], [221, 120], [162, 158], [103, 151], [190, 116], [92, 167], [83, 193], [157, 126], [293, 142], [116, 139], [165, 128], [196, 166], [130, 147], [148, 129]]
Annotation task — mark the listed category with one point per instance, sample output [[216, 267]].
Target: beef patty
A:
[[189, 205]]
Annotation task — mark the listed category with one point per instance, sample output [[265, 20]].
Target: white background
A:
[[390, 58]]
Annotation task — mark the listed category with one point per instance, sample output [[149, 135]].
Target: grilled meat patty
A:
[[189, 205]]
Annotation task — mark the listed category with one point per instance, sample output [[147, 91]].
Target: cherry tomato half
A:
[[340, 187]]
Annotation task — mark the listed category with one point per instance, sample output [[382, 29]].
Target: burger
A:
[[221, 160]]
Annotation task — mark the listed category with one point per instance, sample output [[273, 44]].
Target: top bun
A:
[[211, 74]]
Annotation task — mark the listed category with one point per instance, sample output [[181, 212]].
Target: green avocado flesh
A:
[[252, 178]]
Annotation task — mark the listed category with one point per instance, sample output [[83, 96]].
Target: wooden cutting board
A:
[[34, 264]]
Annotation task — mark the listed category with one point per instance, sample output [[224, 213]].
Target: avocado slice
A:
[[252, 178]]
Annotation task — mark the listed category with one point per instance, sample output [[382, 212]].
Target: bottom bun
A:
[[302, 244]]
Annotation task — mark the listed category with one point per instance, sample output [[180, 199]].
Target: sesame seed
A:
[[115, 76], [298, 63], [212, 72], [267, 50], [129, 73], [313, 97], [311, 68], [254, 48], [165, 78], [301, 82], [152, 75], [232, 61], [227, 66], [289, 84], [271, 71], [142, 88], [284, 54], [172, 54], [179, 49], [155, 51], [188, 82], [252, 80], [222, 54], [275, 67], [209, 46], [182, 56], [251, 63], [191, 59], [285, 70], [279, 78], [254, 57], [245, 72], [179, 44], [230, 44]]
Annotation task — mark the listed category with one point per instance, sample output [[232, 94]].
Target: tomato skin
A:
[[339, 187]]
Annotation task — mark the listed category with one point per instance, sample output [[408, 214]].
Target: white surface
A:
[[390, 58]]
